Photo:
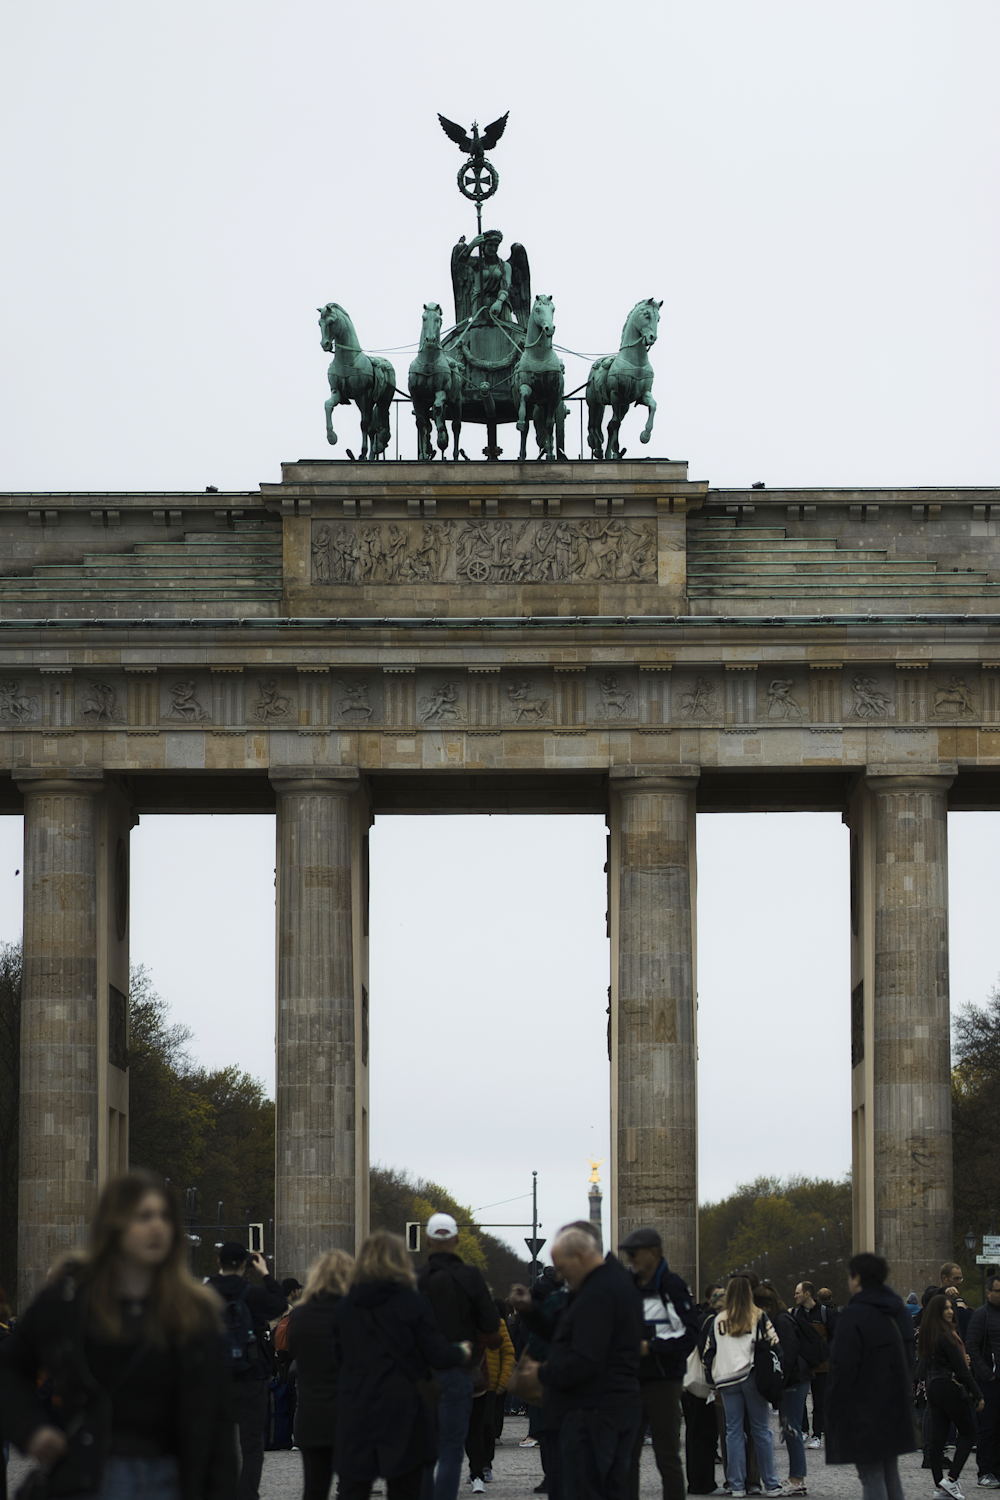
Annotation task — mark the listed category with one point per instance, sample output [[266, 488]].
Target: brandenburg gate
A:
[[607, 637]]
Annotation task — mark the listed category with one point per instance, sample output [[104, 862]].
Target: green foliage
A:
[[975, 1112], [10, 1091], [769, 1216], [396, 1201]]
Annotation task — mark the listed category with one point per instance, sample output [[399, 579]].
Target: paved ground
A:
[[517, 1470]]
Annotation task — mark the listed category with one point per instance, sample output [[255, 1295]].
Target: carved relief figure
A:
[[869, 703], [956, 697], [185, 705], [271, 707], [526, 703], [101, 707], [395, 547], [615, 700], [346, 555], [355, 700], [15, 708], [321, 554], [441, 706], [780, 703], [701, 702]]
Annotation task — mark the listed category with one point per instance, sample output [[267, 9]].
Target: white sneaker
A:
[[937, 1494], [814, 1442], [988, 1482], [953, 1488], [478, 1487], [528, 1443]]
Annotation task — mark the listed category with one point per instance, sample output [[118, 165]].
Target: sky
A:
[[809, 187]]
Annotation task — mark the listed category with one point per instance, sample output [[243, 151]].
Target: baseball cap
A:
[[441, 1227], [642, 1239], [290, 1285], [232, 1253]]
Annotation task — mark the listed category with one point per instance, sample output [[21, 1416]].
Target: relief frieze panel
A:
[[484, 552], [17, 706]]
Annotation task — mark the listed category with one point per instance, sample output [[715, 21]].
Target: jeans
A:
[[251, 1407], [738, 1399], [701, 1441], [793, 1406], [139, 1479], [987, 1456], [595, 1448], [317, 1473], [819, 1398], [880, 1480], [453, 1413], [947, 1403], [661, 1409]]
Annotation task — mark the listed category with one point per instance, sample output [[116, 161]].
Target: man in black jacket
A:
[[263, 1303], [670, 1329], [982, 1341], [465, 1312], [591, 1375]]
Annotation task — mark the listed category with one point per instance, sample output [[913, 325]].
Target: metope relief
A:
[[353, 705], [484, 552], [441, 705], [526, 703], [271, 706], [956, 701], [100, 705], [184, 705], [702, 701], [869, 701], [614, 699], [16, 707], [781, 702]]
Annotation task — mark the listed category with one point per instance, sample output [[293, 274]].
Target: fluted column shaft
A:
[[911, 1026], [656, 1144], [58, 1164], [316, 1106]]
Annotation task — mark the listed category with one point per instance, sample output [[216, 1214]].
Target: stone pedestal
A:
[[59, 1024], [322, 1022], [653, 1028]]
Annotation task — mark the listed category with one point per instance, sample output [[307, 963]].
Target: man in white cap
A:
[[463, 1309]]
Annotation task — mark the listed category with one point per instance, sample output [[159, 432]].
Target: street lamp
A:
[[970, 1239]]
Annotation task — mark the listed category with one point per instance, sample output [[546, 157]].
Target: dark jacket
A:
[[869, 1393], [594, 1357], [310, 1344], [812, 1352], [982, 1340], [948, 1363], [265, 1302], [383, 1424], [51, 1336], [459, 1298], [670, 1325]]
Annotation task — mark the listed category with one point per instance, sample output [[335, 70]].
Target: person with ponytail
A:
[[134, 1349]]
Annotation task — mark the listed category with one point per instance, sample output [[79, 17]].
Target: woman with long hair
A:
[[728, 1359], [386, 1343], [310, 1345], [793, 1398], [134, 1349], [951, 1393]]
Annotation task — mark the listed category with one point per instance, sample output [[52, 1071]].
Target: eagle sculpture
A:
[[475, 144]]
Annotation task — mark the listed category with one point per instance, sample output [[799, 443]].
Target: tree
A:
[[237, 1167], [10, 1094], [169, 1122], [975, 1113], [768, 1216], [396, 1200]]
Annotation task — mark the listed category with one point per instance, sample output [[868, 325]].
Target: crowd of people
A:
[[128, 1379]]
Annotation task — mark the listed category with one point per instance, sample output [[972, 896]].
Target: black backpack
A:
[[241, 1347]]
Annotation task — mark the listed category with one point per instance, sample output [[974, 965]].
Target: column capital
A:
[[78, 782], [312, 781], [910, 778], [640, 781]]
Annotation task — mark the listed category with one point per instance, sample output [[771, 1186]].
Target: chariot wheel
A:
[[478, 571]]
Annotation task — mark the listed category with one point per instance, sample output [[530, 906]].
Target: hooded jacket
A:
[[869, 1393]]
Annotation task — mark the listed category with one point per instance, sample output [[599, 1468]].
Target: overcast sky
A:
[[811, 190]]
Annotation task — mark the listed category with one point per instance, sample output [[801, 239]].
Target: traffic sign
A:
[[988, 1260], [534, 1246], [991, 1242]]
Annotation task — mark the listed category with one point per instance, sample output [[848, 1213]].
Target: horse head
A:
[[543, 315], [430, 333], [333, 325], [641, 324]]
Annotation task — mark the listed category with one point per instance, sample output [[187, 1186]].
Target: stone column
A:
[[910, 1027], [59, 1113], [317, 1017], [653, 1012]]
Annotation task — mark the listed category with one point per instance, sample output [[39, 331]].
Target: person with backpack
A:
[[670, 1332], [247, 1311], [134, 1353], [810, 1307], [310, 1345], [390, 1355], [463, 1310], [729, 1356], [801, 1349]]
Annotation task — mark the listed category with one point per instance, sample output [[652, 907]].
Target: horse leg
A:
[[562, 411], [647, 401], [595, 428], [522, 420], [421, 416], [328, 406], [442, 431], [456, 423]]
